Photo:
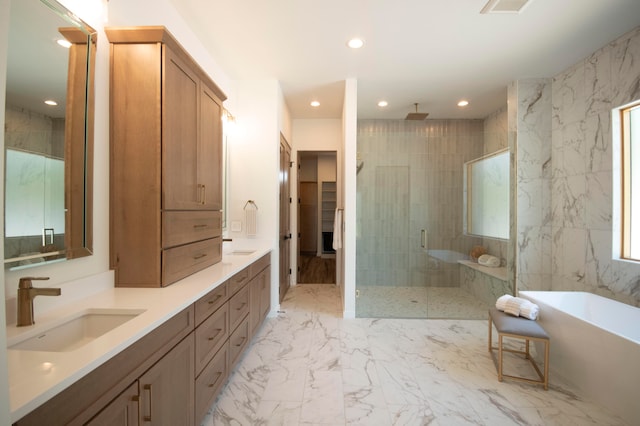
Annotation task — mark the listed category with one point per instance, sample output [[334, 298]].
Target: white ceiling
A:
[[434, 52]]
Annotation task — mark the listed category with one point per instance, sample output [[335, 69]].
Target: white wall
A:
[[348, 171], [254, 159]]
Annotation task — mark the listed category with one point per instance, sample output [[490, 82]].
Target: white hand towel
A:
[[513, 307], [501, 303], [529, 310], [337, 230]]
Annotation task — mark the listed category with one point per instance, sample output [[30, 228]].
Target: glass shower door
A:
[[391, 265]]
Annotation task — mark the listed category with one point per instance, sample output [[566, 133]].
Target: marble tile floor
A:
[[418, 302], [308, 366]]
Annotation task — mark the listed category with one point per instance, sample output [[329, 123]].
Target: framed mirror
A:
[[48, 135], [487, 196]]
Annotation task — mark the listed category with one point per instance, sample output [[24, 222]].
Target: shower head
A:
[[417, 115]]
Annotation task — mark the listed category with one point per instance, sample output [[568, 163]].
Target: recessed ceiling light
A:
[[463, 103], [315, 104], [64, 43], [51, 102], [355, 43], [383, 104]]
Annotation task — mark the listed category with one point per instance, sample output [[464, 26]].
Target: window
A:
[[630, 126], [486, 203]]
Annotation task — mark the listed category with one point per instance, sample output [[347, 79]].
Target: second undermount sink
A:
[[77, 330], [242, 252]]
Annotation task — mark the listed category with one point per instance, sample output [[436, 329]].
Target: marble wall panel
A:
[[583, 97]]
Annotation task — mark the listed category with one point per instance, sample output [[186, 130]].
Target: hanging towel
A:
[[251, 222], [337, 230], [251, 218]]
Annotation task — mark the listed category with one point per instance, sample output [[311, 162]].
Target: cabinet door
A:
[[210, 150], [167, 388], [122, 411], [254, 301], [180, 187], [265, 292]]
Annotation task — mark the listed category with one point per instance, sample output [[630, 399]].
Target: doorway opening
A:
[[317, 198]]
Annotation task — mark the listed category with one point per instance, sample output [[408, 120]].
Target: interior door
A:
[[285, 222]]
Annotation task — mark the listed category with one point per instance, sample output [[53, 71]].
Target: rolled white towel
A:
[[501, 303], [513, 307], [529, 310]]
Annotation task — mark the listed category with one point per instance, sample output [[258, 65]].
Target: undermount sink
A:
[[242, 252], [77, 331]]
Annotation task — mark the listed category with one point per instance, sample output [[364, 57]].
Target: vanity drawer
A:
[[237, 281], [210, 381], [259, 265], [208, 303], [238, 342], [238, 307], [211, 335], [183, 227], [180, 262]]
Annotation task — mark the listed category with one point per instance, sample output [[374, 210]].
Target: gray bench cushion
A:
[[509, 324]]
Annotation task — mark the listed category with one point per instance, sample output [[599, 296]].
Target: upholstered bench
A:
[[518, 328]]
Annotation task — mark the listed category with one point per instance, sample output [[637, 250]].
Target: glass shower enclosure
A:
[[409, 235]]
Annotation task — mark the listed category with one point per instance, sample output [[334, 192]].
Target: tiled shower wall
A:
[[411, 179]]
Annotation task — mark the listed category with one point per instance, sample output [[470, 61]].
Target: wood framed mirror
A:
[[48, 137]]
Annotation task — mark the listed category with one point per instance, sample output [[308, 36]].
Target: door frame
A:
[[300, 154], [284, 233]]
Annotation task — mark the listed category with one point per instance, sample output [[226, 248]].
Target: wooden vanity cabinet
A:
[[166, 160], [122, 411], [259, 292], [166, 390], [172, 375], [100, 393]]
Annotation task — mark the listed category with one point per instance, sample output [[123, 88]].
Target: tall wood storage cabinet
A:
[[166, 160]]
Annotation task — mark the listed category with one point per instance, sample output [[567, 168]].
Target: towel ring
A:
[[252, 203]]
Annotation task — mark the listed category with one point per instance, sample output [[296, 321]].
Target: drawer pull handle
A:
[[148, 418], [242, 339], [218, 296], [242, 279], [199, 256], [202, 225], [218, 330], [239, 308], [215, 380]]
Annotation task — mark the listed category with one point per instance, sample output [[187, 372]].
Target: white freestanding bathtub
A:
[[595, 346]]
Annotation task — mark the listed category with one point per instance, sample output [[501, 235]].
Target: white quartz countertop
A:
[[35, 377]]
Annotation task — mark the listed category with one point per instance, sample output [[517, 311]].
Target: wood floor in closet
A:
[[316, 270]]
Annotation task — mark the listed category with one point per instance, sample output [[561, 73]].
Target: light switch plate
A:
[[236, 226]]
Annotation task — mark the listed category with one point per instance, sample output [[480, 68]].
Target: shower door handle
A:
[[423, 238]]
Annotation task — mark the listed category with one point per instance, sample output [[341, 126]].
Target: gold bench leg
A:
[[490, 332], [499, 357], [543, 377], [546, 365]]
